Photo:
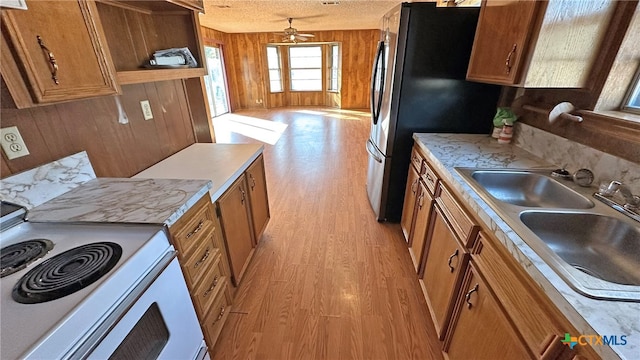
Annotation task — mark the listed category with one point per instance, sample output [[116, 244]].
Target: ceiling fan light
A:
[[292, 37]]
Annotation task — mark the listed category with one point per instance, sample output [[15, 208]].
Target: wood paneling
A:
[[247, 73], [115, 150]]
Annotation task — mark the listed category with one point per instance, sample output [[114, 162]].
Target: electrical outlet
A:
[[12, 143], [146, 109]]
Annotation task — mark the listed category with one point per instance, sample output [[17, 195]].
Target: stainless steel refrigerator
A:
[[418, 85]]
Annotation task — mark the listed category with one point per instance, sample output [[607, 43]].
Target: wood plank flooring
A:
[[327, 281]]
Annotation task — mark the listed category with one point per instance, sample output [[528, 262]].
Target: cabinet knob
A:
[[253, 182], [52, 60], [508, 62], [467, 297], [451, 268]]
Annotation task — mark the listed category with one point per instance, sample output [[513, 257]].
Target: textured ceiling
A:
[[233, 16]]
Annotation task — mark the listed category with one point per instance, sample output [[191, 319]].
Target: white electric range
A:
[[97, 291]]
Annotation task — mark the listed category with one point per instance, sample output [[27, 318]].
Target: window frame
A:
[[334, 48], [291, 68], [632, 93], [279, 69]]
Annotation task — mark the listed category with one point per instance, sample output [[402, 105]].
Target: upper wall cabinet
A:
[[136, 29], [545, 44], [55, 51], [58, 51]]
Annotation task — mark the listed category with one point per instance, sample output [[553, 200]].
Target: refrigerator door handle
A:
[[377, 65], [373, 152]]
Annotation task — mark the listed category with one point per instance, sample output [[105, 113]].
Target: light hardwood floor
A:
[[327, 281]]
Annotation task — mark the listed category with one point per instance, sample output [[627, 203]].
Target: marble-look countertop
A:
[[117, 200], [222, 164], [589, 316]]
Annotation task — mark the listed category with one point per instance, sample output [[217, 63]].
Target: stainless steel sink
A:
[[601, 246], [529, 189], [592, 247]]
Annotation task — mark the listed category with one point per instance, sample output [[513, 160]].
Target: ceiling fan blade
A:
[[306, 35], [301, 38]]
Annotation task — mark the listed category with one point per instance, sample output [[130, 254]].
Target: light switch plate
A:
[[146, 109], [12, 143]]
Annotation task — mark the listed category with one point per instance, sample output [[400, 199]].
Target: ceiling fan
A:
[[291, 34]]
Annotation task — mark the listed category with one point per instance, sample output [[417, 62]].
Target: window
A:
[[334, 67], [275, 71], [632, 100], [305, 64]]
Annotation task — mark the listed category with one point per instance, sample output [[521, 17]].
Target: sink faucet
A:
[[631, 201], [631, 206]]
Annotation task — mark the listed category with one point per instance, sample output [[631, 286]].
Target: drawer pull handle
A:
[[420, 201], [508, 62], [222, 310], [195, 231], [213, 286], [52, 60], [451, 268], [428, 178], [414, 186], [243, 195], [253, 182], [204, 257], [467, 297]]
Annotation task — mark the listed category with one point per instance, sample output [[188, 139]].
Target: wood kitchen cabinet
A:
[[234, 213], [511, 316], [55, 51], [201, 253], [417, 205], [544, 44], [258, 197], [443, 271], [480, 330]]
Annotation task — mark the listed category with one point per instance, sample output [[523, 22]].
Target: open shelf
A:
[[136, 29]]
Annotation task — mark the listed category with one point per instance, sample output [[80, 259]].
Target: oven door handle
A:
[[87, 345]]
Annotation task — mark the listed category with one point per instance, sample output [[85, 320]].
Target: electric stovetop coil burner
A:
[[67, 273], [18, 256]]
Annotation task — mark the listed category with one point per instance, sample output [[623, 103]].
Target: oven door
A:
[[161, 322]]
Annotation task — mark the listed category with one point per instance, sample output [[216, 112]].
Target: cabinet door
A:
[[259, 199], [480, 329], [421, 224], [443, 270], [236, 227], [408, 209], [61, 50], [501, 41]]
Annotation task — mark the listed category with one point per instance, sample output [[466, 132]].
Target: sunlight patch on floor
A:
[[337, 114], [262, 130]]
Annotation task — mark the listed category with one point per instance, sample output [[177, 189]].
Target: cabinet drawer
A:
[[461, 223], [416, 160], [198, 222], [212, 325], [430, 178], [210, 287], [196, 266]]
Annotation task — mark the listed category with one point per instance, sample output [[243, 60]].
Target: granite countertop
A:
[[222, 164], [589, 316], [117, 200]]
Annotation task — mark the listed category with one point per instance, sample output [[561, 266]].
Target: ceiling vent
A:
[[335, 2]]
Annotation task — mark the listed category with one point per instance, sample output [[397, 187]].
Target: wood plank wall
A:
[[244, 56], [115, 150]]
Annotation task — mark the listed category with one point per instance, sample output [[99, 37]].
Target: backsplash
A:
[[560, 151], [39, 185]]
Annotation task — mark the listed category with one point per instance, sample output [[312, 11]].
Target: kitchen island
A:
[[445, 152]]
